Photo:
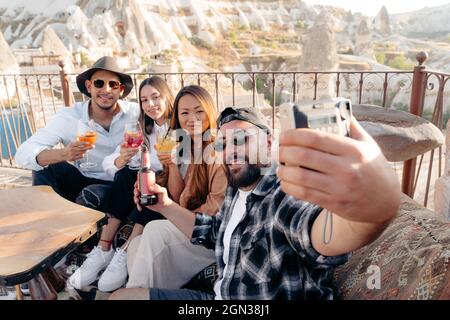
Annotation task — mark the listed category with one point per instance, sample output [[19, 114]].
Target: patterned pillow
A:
[[409, 260], [204, 280]]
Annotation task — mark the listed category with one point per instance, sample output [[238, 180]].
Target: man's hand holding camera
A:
[[350, 177]]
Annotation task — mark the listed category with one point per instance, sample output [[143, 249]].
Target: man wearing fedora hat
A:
[[105, 112]]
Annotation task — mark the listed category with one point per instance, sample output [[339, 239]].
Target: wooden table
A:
[[37, 228]]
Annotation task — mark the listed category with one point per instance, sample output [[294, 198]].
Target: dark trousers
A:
[[121, 202], [65, 179], [179, 294]]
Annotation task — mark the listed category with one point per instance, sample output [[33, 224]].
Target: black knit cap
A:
[[250, 115]]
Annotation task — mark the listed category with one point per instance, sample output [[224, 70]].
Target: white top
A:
[[236, 217], [62, 128], [155, 165]]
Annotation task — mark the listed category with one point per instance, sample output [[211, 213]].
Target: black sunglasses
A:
[[113, 84], [239, 138]]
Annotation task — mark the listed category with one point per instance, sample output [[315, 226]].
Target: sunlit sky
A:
[[371, 7]]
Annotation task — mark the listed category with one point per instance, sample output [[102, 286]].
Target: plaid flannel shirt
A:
[[271, 255]]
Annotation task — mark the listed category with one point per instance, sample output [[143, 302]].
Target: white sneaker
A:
[[96, 261], [115, 274], [25, 288]]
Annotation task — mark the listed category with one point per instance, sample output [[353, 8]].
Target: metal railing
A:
[[28, 101]]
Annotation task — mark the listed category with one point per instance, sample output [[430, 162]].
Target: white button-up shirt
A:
[[63, 129]]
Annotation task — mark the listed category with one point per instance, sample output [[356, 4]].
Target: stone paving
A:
[[14, 178]]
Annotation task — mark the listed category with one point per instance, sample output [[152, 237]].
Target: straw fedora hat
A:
[[108, 64]]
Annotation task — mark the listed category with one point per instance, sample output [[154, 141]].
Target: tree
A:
[[380, 57], [401, 63], [300, 24]]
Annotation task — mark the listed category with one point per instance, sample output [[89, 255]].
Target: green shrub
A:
[[300, 24], [196, 41], [146, 60], [401, 63], [84, 59], [380, 57], [180, 66], [266, 43], [242, 28], [445, 119], [401, 106], [233, 38]]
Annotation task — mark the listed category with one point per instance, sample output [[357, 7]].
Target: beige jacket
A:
[[217, 185]]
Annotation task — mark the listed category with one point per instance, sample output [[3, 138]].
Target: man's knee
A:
[[94, 196], [132, 250], [123, 174], [47, 176], [41, 177], [159, 231]]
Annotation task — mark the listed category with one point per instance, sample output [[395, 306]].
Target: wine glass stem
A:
[[87, 157]]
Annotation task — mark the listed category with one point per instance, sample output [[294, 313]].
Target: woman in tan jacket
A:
[[193, 180]]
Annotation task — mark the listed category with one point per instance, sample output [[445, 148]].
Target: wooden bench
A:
[[37, 229]]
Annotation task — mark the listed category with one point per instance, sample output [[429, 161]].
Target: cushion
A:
[[411, 255], [204, 280]]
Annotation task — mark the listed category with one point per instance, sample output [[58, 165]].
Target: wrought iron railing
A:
[[28, 101]]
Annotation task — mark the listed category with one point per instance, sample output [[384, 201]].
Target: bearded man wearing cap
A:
[[105, 85], [270, 237]]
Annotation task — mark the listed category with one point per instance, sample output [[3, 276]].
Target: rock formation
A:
[[319, 52], [127, 17], [52, 44], [363, 47], [8, 63], [381, 22]]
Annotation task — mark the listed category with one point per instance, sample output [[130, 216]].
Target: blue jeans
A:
[[179, 294], [69, 182]]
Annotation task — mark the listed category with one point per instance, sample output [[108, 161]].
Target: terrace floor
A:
[[16, 178]]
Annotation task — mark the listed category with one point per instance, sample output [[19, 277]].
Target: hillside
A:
[[431, 23], [223, 35]]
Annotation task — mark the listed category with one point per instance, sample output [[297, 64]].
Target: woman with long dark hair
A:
[[156, 104], [195, 181]]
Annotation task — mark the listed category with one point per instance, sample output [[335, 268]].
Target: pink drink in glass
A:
[[133, 139]]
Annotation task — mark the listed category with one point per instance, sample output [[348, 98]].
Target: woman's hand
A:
[[126, 153], [166, 158]]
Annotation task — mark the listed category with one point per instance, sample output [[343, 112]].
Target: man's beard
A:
[[245, 177], [105, 107]]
